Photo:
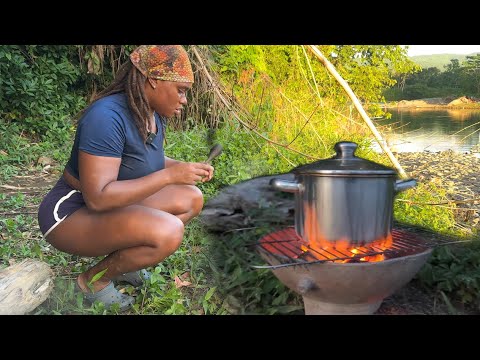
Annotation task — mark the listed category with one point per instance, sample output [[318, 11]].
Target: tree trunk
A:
[[249, 203], [24, 286]]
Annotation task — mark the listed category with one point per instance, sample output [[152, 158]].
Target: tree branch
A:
[[359, 107]]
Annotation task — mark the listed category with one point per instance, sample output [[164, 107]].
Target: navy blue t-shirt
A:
[[107, 128]]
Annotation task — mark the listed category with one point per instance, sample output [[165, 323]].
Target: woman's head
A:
[[156, 78], [168, 74]]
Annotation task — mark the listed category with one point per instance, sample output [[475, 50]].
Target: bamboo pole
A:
[[360, 109]]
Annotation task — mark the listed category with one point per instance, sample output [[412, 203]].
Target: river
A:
[[419, 129]]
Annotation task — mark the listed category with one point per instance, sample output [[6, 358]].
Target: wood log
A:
[[24, 286], [248, 204]]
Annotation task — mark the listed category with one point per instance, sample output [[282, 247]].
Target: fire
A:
[[345, 251], [288, 243], [320, 247]]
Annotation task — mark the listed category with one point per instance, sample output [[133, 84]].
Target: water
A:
[[417, 130]]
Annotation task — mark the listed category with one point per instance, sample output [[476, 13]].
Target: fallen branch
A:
[[18, 213], [10, 187]]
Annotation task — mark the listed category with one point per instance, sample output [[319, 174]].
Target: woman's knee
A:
[[190, 201], [196, 200], [167, 237]]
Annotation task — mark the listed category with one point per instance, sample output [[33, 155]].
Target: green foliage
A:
[[421, 91], [367, 68], [16, 230], [454, 272], [409, 208], [458, 78], [247, 290], [291, 98], [36, 86], [95, 278], [241, 159], [17, 150], [99, 63], [372, 68], [472, 68]]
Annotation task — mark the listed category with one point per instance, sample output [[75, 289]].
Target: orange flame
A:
[[341, 248], [345, 251]]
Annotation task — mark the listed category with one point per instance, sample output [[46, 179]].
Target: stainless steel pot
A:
[[344, 198]]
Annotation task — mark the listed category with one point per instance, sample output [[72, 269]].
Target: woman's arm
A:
[[170, 162], [102, 191]]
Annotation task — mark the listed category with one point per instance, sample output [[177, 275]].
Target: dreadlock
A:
[[131, 81]]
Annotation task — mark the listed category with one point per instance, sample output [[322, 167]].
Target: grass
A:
[[209, 274], [181, 285]]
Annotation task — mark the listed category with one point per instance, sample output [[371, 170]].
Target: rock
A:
[[44, 161], [457, 172], [461, 101]]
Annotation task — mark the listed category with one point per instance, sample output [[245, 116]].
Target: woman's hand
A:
[[210, 175], [189, 173]]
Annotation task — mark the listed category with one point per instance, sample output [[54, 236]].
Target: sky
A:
[[415, 50]]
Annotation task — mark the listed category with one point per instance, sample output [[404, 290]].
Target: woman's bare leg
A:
[[135, 237], [183, 201]]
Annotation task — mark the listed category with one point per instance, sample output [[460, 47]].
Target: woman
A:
[[120, 195]]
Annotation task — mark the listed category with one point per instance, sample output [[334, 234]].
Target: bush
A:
[[37, 89]]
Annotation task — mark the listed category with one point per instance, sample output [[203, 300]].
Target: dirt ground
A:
[[413, 300]]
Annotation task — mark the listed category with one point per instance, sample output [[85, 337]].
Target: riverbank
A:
[[458, 172], [463, 102]]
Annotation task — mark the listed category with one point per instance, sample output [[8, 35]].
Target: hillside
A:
[[437, 60]]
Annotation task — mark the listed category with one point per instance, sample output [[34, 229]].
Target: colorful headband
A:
[[163, 62]]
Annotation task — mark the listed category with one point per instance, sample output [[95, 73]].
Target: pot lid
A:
[[345, 163]]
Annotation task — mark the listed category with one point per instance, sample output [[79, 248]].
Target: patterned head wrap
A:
[[163, 62]]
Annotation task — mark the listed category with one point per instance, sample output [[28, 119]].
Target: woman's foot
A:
[[106, 294], [135, 278], [92, 287]]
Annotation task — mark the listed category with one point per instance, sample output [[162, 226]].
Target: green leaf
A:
[[209, 293], [97, 276], [37, 251]]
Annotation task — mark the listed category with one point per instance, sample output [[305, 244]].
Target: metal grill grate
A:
[[290, 249]]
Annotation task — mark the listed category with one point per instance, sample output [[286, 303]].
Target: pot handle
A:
[[284, 185], [401, 185]]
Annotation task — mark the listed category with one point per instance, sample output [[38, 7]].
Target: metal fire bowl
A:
[[350, 288]]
